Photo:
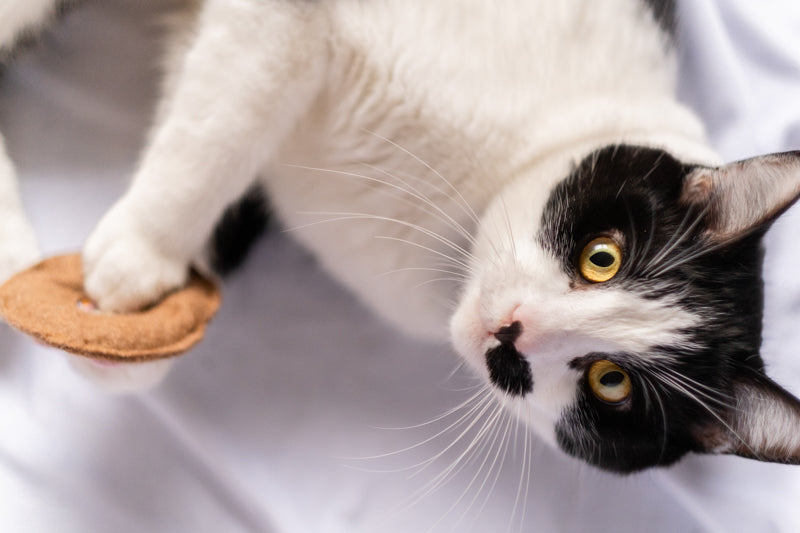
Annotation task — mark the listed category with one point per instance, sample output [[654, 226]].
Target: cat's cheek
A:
[[462, 333], [468, 334]]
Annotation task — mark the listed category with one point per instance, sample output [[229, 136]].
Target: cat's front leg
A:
[[18, 246], [20, 16], [249, 73]]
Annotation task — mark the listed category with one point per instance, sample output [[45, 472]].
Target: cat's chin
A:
[[122, 378]]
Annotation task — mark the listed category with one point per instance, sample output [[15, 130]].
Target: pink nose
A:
[[516, 323], [519, 315], [509, 317]]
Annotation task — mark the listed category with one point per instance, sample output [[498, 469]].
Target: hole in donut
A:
[[86, 305]]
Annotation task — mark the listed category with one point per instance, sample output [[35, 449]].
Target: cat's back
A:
[[506, 60]]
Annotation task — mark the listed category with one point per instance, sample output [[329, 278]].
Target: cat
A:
[[18, 244], [528, 160]]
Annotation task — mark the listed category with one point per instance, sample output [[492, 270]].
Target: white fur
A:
[[207, 149], [18, 246], [763, 425], [17, 16], [396, 121], [331, 104]]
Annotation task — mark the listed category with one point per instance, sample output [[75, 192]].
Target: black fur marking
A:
[[664, 11], [655, 426], [239, 228], [636, 194], [508, 369], [635, 434]]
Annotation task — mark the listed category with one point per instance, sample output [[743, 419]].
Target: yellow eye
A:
[[609, 382], [600, 260]]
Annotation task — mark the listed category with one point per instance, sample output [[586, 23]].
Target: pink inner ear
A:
[[698, 186], [745, 194]]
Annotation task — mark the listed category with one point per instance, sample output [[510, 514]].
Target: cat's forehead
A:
[[635, 196], [631, 192]]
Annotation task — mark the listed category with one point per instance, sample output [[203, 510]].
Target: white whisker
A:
[[650, 238], [438, 280], [400, 193], [680, 235], [699, 388], [463, 202], [484, 389], [452, 260], [509, 420], [699, 250], [460, 275], [459, 366], [360, 216], [492, 439], [634, 241], [452, 222], [522, 477], [664, 425], [689, 394], [458, 464], [480, 407], [510, 231], [458, 438], [368, 216]]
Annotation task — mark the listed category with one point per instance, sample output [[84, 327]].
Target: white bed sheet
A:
[[267, 425]]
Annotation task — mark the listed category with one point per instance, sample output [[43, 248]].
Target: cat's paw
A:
[[124, 268], [121, 378]]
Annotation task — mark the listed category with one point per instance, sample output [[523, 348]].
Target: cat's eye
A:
[[600, 260], [609, 382]]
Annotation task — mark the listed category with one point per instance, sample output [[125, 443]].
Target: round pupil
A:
[[612, 379], [602, 259]]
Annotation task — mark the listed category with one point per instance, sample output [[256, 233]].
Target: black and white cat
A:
[[605, 267]]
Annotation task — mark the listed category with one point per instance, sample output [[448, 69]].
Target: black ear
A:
[[763, 423], [744, 196]]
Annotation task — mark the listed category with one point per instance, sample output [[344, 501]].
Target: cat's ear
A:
[[746, 195], [763, 423]]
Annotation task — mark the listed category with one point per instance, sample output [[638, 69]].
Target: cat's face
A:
[[619, 313]]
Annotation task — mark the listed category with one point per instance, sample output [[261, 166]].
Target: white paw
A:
[[121, 378], [18, 246], [124, 268]]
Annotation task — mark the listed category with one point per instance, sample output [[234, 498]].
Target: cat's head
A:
[[619, 313]]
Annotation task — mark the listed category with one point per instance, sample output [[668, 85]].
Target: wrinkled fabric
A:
[[303, 413]]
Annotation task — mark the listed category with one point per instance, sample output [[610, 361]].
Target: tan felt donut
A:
[[45, 302]]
